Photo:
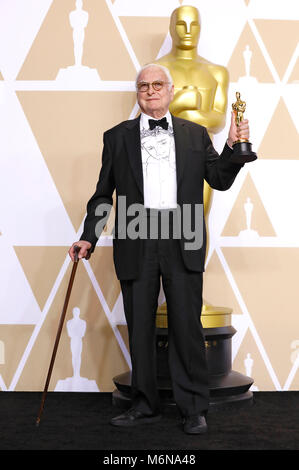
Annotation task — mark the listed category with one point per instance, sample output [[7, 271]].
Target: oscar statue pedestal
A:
[[227, 387]]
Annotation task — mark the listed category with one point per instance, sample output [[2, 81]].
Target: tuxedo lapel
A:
[[181, 144], [133, 146]]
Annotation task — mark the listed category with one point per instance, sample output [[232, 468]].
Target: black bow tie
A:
[[162, 123]]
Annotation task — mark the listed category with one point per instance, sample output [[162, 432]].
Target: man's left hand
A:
[[237, 132]]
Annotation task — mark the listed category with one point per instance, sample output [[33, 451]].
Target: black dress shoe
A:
[[134, 417], [195, 424]]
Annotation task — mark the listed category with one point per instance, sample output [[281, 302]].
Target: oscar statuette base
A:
[[242, 152]]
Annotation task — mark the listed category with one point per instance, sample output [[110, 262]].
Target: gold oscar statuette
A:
[[200, 86], [242, 148]]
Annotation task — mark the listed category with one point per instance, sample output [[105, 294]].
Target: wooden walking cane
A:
[[67, 297]]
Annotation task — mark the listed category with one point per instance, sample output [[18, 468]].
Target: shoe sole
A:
[[198, 431], [126, 424]]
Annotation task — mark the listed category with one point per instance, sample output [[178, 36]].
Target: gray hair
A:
[[161, 67]]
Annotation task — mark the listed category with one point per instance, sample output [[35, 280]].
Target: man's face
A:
[[152, 102]]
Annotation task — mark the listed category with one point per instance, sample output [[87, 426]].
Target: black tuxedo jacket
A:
[[196, 161]]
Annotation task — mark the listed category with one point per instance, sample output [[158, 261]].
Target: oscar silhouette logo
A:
[[78, 74]]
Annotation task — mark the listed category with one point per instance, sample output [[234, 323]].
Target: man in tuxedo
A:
[[159, 162]]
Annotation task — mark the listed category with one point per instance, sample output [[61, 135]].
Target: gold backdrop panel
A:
[[258, 65], [14, 340], [216, 287], [53, 47], [101, 358], [281, 139], [256, 219], [268, 283], [69, 126], [272, 33], [41, 265]]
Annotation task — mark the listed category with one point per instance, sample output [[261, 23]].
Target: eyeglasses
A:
[[157, 85]]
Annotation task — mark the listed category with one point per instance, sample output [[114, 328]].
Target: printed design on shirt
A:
[[157, 147]]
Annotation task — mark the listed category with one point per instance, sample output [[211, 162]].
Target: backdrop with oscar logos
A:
[[52, 117]]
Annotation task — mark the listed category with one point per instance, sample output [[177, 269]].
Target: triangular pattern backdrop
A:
[[51, 129]]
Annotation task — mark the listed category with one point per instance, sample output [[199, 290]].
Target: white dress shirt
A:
[[158, 164]]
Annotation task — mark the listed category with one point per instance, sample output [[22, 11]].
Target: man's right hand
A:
[[84, 247]]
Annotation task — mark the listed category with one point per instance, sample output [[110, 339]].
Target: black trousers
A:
[[186, 347]]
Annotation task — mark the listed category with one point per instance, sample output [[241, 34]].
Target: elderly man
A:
[[160, 162]]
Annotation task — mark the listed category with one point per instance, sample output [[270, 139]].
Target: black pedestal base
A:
[[226, 391], [243, 153], [227, 387]]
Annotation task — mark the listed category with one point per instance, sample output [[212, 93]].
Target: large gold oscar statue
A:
[[200, 89]]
